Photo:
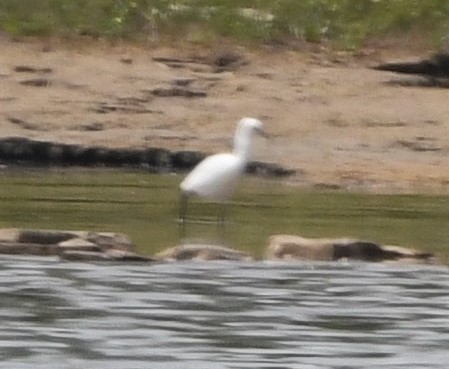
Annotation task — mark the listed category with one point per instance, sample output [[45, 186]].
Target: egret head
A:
[[252, 124], [246, 129]]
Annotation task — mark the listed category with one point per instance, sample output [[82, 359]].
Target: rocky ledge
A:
[[202, 253], [291, 247], [70, 245], [107, 246], [20, 151]]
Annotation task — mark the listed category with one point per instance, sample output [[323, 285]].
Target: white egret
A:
[[216, 177]]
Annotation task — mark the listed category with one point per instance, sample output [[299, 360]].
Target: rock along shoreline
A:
[[24, 151], [85, 246]]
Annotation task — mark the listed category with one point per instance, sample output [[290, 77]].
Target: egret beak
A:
[[262, 133]]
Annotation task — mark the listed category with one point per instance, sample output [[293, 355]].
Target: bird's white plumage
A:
[[216, 177]]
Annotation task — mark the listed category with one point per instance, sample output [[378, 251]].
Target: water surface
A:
[[145, 207], [222, 315]]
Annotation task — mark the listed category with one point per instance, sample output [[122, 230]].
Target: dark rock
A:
[[89, 33], [178, 92], [185, 160], [15, 149], [92, 127], [84, 156], [108, 240], [183, 82], [436, 67], [110, 157], [420, 144], [22, 123], [265, 75], [268, 169], [327, 186], [19, 150], [227, 61], [399, 253], [29, 69], [36, 82], [131, 157], [40, 151], [361, 250], [291, 247], [125, 106], [126, 60], [162, 59], [43, 237], [69, 244], [69, 155], [113, 255], [104, 108], [157, 160], [84, 256], [38, 249], [55, 153], [89, 256]]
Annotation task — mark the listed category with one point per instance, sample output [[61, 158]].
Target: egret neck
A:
[[243, 140]]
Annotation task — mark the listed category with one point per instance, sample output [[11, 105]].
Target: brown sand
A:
[[332, 118]]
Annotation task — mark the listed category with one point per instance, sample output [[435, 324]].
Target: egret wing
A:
[[215, 177]]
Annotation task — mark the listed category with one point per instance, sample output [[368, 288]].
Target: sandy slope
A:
[[333, 119]]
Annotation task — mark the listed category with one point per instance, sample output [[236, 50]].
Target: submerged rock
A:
[[86, 256], [109, 246], [110, 255], [291, 247], [18, 248], [69, 244], [78, 244], [110, 241], [202, 252], [44, 237]]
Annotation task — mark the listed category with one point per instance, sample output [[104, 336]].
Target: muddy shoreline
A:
[[334, 121]]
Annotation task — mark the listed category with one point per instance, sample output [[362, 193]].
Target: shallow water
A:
[[145, 207], [219, 315], [222, 315]]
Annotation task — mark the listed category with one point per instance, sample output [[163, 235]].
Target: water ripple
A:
[[222, 315]]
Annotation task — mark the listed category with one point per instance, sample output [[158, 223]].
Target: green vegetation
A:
[[145, 207], [342, 22]]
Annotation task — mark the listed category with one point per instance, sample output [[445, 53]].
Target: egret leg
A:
[[222, 214], [182, 214], [221, 222]]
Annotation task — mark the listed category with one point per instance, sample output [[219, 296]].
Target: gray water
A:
[[222, 315]]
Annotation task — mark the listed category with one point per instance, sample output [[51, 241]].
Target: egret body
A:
[[216, 177]]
